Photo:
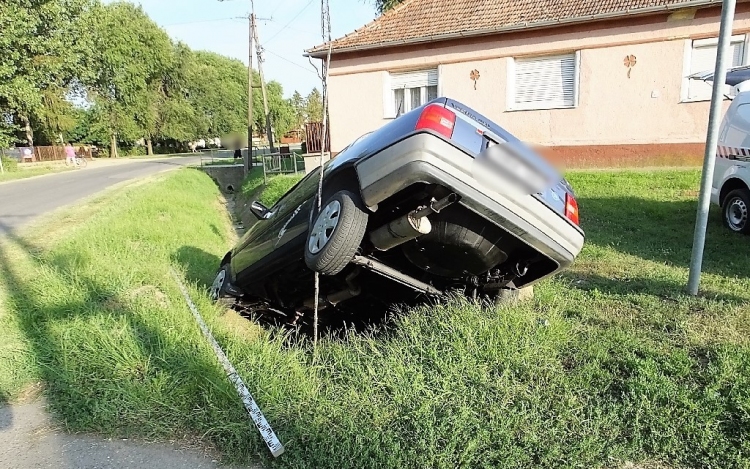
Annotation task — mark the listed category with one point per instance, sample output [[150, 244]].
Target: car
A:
[[408, 212], [730, 187]]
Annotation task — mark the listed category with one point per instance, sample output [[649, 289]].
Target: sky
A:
[[286, 28]]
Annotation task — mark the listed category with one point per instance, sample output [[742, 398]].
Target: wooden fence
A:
[[46, 153], [313, 134]]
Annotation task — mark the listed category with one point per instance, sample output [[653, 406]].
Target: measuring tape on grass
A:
[[266, 432]]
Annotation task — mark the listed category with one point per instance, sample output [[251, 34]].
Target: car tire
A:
[[335, 233], [736, 211], [218, 291]]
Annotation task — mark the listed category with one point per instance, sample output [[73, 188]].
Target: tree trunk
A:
[[149, 147], [27, 128], [113, 146]]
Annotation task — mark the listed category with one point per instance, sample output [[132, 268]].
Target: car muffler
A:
[[410, 226]]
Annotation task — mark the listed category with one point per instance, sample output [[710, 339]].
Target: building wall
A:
[[613, 109]]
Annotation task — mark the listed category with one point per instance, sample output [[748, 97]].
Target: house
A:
[[589, 79]]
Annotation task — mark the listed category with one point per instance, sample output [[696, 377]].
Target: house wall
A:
[[643, 111]]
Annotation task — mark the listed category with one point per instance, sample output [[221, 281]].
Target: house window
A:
[[410, 90], [549, 82], [700, 56]]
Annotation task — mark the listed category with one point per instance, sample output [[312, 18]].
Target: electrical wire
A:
[[287, 60], [290, 22]]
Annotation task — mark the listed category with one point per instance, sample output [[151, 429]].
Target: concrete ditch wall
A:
[[229, 178]]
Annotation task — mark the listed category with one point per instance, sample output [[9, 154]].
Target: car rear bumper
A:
[[425, 158]]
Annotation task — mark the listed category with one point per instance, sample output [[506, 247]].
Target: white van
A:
[[731, 183]]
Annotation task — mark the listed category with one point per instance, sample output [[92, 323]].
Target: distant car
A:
[[730, 187], [407, 213]]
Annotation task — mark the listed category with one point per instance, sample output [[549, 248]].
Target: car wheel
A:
[[736, 207], [335, 234], [218, 291]]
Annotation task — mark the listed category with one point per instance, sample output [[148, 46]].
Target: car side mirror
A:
[[260, 211]]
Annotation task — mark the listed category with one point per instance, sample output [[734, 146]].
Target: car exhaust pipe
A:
[[410, 226]]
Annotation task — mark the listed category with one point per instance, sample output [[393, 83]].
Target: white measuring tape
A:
[[266, 432]]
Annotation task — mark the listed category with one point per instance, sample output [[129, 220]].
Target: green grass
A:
[[278, 186], [609, 363], [31, 172], [270, 193]]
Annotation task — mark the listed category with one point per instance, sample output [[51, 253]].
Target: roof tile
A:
[[416, 20]]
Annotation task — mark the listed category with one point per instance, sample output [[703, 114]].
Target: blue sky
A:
[[294, 26]]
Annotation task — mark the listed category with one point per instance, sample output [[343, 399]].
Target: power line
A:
[[287, 60], [200, 21], [290, 22]]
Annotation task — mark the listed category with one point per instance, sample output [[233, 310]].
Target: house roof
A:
[[418, 21]]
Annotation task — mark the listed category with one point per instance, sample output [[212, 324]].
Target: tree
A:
[[41, 44], [298, 107], [385, 5], [131, 54], [217, 91], [314, 106]]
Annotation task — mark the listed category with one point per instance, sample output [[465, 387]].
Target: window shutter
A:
[[545, 82], [703, 58], [414, 79]]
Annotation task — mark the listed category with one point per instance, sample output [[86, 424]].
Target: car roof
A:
[[735, 75]]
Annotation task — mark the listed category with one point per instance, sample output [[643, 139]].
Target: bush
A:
[[9, 164]]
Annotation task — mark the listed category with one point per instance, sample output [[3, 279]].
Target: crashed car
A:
[[418, 208]]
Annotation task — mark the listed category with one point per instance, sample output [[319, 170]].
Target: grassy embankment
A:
[[610, 362]]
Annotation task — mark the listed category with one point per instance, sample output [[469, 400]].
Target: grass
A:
[[268, 194], [609, 363], [31, 172], [278, 186]]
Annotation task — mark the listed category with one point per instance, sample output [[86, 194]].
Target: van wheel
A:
[[736, 207], [335, 234]]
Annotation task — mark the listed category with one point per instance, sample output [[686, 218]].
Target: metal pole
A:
[[2, 155], [714, 120]]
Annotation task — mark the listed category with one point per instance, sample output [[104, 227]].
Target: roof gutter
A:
[[521, 26]]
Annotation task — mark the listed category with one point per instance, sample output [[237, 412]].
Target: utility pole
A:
[[249, 156], [714, 122], [259, 50]]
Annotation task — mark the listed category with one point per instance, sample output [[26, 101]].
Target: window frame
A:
[[687, 62], [389, 101], [510, 101]]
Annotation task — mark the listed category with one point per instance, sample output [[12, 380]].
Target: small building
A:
[[589, 79]]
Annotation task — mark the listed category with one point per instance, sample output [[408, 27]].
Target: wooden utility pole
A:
[[259, 50], [249, 156]]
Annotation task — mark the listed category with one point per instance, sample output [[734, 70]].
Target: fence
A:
[[313, 132], [278, 163], [45, 153]]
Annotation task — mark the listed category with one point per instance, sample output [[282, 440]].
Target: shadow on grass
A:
[[199, 265], [662, 231], [661, 288], [109, 368]]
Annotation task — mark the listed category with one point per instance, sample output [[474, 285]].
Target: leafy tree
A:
[[314, 106], [217, 91], [40, 48], [298, 107], [131, 54], [385, 5]]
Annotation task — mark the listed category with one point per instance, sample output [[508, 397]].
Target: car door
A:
[[267, 245]]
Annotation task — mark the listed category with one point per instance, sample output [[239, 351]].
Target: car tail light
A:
[[571, 208], [437, 118]]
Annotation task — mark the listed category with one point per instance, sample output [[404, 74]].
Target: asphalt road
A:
[[31, 439], [24, 200]]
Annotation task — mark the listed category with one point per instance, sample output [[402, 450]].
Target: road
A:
[[31, 439], [24, 200]]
